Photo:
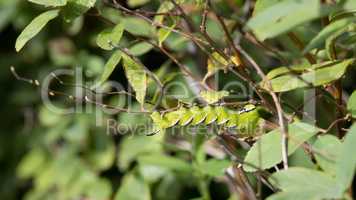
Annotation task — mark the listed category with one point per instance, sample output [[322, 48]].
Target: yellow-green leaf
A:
[[109, 38], [140, 48], [286, 15], [346, 163], [165, 6], [76, 8], [267, 152], [302, 183], [330, 71], [137, 77], [135, 3], [261, 5], [163, 34], [133, 187], [328, 31], [53, 3], [138, 26], [34, 27], [109, 67], [351, 104], [328, 147]]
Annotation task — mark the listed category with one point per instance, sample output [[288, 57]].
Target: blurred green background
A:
[[46, 155]]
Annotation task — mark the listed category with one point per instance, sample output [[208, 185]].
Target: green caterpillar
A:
[[242, 119]]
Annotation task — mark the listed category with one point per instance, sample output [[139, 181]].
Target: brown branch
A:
[[245, 182], [295, 39], [185, 16], [230, 40], [185, 70], [205, 34], [130, 12]]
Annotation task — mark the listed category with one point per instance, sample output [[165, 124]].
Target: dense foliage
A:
[[177, 99]]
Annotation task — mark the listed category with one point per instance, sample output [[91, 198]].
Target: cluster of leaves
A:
[[198, 42]]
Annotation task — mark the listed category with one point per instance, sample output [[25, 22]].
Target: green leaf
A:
[[140, 48], [351, 104], [132, 147], [101, 156], [109, 38], [76, 8], [168, 162], [261, 5], [50, 117], [330, 71], [327, 151], [330, 41], [31, 163], [218, 59], [133, 188], [138, 26], [151, 173], [109, 67], [163, 34], [34, 28], [267, 151], [214, 167], [212, 96], [165, 6], [53, 3], [216, 62], [284, 16], [346, 163], [137, 77], [292, 195], [132, 121], [349, 4], [136, 3], [328, 31], [99, 190], [301, 158], [311, 183], [285, 70]]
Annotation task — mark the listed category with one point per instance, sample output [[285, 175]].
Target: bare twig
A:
[[130, 12]]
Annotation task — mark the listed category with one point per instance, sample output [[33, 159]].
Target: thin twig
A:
[[283, 126], [128, 11]]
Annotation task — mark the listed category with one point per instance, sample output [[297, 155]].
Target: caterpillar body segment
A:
[[186, 116], [223, 115], [211, 115], [220, 115], [199, 115]]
